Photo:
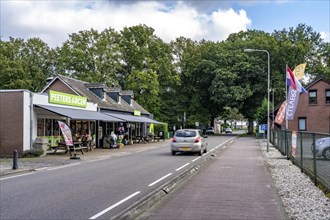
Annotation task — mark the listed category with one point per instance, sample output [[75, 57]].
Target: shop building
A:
[[90, 109]]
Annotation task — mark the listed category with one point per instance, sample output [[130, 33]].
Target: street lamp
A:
[[256, 50]]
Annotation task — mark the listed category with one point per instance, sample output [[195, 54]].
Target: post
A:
[[15, 158]]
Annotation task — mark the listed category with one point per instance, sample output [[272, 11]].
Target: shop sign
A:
[[61, 98], [137, 113]]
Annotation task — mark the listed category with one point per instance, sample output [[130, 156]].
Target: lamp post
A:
[[268, 87]]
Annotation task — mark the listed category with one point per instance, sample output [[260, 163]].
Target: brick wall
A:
[[317, 115], [11, 122]]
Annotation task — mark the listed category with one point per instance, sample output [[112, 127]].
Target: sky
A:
[[54, 20]]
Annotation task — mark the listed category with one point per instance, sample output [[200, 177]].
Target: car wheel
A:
[[326, 153], [200, 153], [173, 152], [205, 150]]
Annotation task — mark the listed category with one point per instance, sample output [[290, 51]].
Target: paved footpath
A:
[[236, 185]]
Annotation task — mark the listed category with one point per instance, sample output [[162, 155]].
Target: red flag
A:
[[290, 78]]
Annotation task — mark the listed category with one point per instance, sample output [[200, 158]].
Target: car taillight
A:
[[197, 140], [173, 139]]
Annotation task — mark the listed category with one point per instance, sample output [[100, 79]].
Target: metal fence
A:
[[304, 156]]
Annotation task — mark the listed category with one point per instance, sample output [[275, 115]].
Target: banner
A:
[[299, 71], [66, 131], [280, 114], [292, 102], [294, 144], [295, 88]]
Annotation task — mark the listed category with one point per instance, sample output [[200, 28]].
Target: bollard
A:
[[15, 158]]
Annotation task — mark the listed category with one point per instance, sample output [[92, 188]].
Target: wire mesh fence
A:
[[309, 151]]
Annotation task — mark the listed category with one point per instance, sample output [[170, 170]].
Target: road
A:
[[96, 189]]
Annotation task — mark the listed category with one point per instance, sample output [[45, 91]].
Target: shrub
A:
[[33, 153]]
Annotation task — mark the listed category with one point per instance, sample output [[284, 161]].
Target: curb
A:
[[151, 199], [14, 172]]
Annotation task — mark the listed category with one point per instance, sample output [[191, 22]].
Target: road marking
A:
[[139, 151], [195, 159], [167, 175], [182, 166], [99, 159], [212, 150], [10, 177], [122, 154], [65, 166], [114, 205]]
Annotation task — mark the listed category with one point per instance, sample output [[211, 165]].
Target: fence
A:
[[304, 155]]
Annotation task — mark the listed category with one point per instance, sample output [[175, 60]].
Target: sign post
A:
[[262, 129]]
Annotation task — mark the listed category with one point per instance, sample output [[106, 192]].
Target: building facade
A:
[[313, 110], [90, 109]]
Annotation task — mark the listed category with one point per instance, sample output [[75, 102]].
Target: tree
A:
[[148, 61], [25, 65], [91, 56]]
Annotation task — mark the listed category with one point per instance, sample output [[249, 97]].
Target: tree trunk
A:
[[250, 126]]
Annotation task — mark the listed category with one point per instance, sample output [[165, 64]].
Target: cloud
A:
[[53, 21]]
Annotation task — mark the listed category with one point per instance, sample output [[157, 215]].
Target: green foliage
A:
[[261, 112], [25, 65], [202, 79], [32, 153], [160, 127]]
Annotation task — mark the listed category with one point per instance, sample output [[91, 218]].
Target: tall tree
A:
[[25, 65], [90, 56]]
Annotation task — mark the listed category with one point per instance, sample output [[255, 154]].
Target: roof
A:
[[82, 88], [318, 79]]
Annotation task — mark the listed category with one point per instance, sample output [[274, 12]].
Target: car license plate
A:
[[185, 148]]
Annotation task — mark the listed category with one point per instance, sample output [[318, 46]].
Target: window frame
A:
[[327, 97], [305, 123], [312, 100]]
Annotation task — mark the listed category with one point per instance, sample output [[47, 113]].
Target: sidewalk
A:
[[236, 185], [59, 158]]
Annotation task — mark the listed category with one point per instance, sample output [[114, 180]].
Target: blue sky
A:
[[53, 21]]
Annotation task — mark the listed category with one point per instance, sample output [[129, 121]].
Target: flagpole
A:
[[286, 97]]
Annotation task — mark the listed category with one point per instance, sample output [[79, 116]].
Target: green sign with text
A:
[[61, 98], [137, 113]]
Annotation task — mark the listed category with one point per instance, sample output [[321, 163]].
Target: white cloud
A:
[[325, 36], [53, 21]]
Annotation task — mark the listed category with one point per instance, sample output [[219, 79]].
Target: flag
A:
[[280, 114], [293, 82], [295, 88], [299, 71], [66, 131]]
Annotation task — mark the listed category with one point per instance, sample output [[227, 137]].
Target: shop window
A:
[[302, 124], [41, 127], [312, 97], [327, 96]]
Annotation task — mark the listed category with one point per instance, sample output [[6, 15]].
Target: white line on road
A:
[[212, 150], [182, 166], [151, 184], [25, 174], [195, 159], [114, 205], [65, 166], [122, 154], [99, 159]]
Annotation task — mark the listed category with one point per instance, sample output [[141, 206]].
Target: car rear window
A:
[[185, 133]]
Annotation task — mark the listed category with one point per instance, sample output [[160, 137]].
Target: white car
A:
[[322, 148], [188, 140], [228, 131]]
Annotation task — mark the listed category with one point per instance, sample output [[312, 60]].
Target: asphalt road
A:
[[96, 189]]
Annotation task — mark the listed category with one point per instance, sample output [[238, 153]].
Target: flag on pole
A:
[[295, 88], [280, 114], [293, 82], [299, 71], [66, 131]]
